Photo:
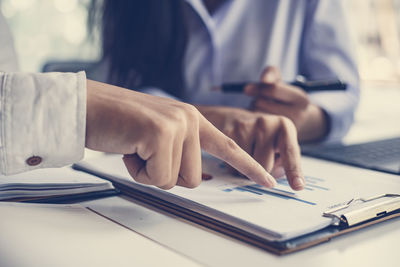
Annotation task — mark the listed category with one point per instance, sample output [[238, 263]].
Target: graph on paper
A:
[[282, 190]]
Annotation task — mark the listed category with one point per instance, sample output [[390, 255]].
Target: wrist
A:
[[315, 126]]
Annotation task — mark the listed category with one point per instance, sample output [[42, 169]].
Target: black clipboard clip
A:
[[359, 210]]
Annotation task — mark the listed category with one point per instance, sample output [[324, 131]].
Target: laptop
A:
[[381, 155]]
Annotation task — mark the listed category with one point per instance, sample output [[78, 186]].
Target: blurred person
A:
[[184, 48], [48, 118]]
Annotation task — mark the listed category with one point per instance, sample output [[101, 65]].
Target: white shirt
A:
[[242, 37], [42, 115]]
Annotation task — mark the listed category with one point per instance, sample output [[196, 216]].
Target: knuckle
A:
[[193, 183], [167, 186], [144, 151], [179, 116], [164, 132], [192, 115], [262, 123], [286, 122], [241, 130], [190, 110], [239, 124], [230, 144], [292, 170], [163, 181], [290, 149]]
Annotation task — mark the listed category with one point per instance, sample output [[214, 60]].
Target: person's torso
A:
[[237, 42]]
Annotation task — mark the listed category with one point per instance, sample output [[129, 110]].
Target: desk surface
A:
[[160, 238]]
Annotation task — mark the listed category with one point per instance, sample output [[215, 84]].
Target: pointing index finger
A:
[[217, 144]]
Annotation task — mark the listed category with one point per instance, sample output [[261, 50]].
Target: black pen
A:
[[308, 86]]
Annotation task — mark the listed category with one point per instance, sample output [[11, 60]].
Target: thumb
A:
[[270, 75], [133, 164]]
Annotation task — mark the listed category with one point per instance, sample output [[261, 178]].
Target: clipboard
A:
[[341, 218], [357, 213]]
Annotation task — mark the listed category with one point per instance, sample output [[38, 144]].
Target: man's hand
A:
[[160, 138], [273, 96], [270, 139]]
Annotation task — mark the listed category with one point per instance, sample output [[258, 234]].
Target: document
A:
[[276, 214], [53, 182]]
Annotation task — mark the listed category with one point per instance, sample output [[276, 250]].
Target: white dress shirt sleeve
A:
[[327, 52], [42, 120]]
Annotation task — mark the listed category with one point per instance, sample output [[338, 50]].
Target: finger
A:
[[283, 93], [254, 89], [290, 154], [134, 164], [158, 169], [190, 169], [216, 143], [243, 135], [176, 157], [274, 108], [230, 132], [278, 171], [271, 75], [264, 149]]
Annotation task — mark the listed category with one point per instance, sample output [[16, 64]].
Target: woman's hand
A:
[[273, 96], [161, 138], [270, 139]]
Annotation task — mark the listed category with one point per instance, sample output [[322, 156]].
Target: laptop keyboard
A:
[[382, 155]]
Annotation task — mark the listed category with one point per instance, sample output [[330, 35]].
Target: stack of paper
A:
[[50, 184]]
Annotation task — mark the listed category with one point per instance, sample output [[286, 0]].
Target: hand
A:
[[161, 138], [274, 96], [270, 139]]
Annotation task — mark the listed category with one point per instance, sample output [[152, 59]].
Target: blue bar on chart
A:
[[259, 190]]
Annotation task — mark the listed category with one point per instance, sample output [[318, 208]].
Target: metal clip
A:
[[358, 210]]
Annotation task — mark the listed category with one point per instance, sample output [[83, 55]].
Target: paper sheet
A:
[[50, 182], [277, 214]]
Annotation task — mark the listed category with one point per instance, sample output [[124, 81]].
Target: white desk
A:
[[73, 236], [160, 239]]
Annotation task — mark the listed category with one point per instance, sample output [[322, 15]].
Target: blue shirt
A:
[[242, 37]]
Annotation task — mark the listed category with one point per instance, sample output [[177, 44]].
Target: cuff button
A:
[[34, 161]]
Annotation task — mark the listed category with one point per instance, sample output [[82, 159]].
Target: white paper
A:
[[276, 214], [50, 182]]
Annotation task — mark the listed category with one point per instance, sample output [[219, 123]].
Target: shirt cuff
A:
[[340, 108], [43, 120]]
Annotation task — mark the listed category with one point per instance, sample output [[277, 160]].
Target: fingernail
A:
[[298, 183], [271, 181]]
